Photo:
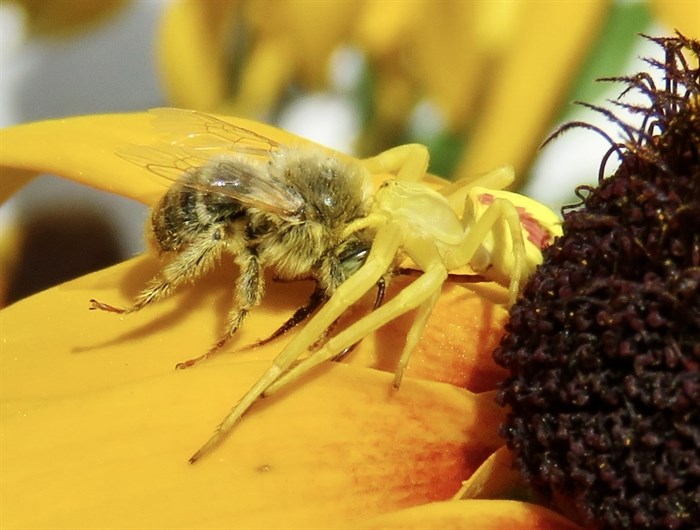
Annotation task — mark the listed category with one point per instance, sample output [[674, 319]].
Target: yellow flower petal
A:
[[481, 514], [60, 17], [98, 424], [680, 15], [520, 101], [193, 43]]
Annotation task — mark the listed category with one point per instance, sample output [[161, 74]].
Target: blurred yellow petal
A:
[[221, 55], [383, 27], [681, 15], [194, 43], [269, 67], [61, 17], [521, 100], [310, 29], [481, 514], [455, 53]]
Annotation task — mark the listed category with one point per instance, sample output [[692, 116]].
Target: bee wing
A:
[[199, 131], [164, 160], [198, 140], [253, 185]]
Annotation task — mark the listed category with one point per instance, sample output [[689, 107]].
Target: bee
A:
[[306, 212], [268, 205]]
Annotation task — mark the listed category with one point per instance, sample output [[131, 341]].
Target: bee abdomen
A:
[[184, 214]]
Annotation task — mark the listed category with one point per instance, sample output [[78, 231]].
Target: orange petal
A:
[[464, 327]]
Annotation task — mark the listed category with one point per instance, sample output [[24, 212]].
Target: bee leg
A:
[[386, 244], [185, 266], [317, 299], [249, 289], [408, 162]]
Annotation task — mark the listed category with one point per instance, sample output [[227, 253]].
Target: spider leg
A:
[[476, 232], [185, 266], [386, 244], [419, 323], [408, 162], [497, 179], [381, 291], [421, 294], [451, 278]]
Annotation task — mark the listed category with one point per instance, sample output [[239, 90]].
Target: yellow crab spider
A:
[[499, 233]]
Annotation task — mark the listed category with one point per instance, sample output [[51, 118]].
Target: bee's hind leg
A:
[[185, 266], [249, 289]]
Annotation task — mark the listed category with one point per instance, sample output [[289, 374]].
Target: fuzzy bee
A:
[[305, 212]]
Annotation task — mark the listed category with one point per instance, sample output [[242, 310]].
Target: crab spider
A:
[[499, 233]]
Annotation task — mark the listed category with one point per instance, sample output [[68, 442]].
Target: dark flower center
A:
[[603, 347]]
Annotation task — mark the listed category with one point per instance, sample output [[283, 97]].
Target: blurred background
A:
[[482, 83]]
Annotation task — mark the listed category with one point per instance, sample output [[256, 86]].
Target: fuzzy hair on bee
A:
[[286, 221], [280, 207], [308, 213]]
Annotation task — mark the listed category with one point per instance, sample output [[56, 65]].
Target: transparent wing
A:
[[199, 131], [236, 160]]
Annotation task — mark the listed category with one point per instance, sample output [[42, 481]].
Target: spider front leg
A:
[[505, 249], [407, 162], [422, 294], [379, 260], [505, 234]]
